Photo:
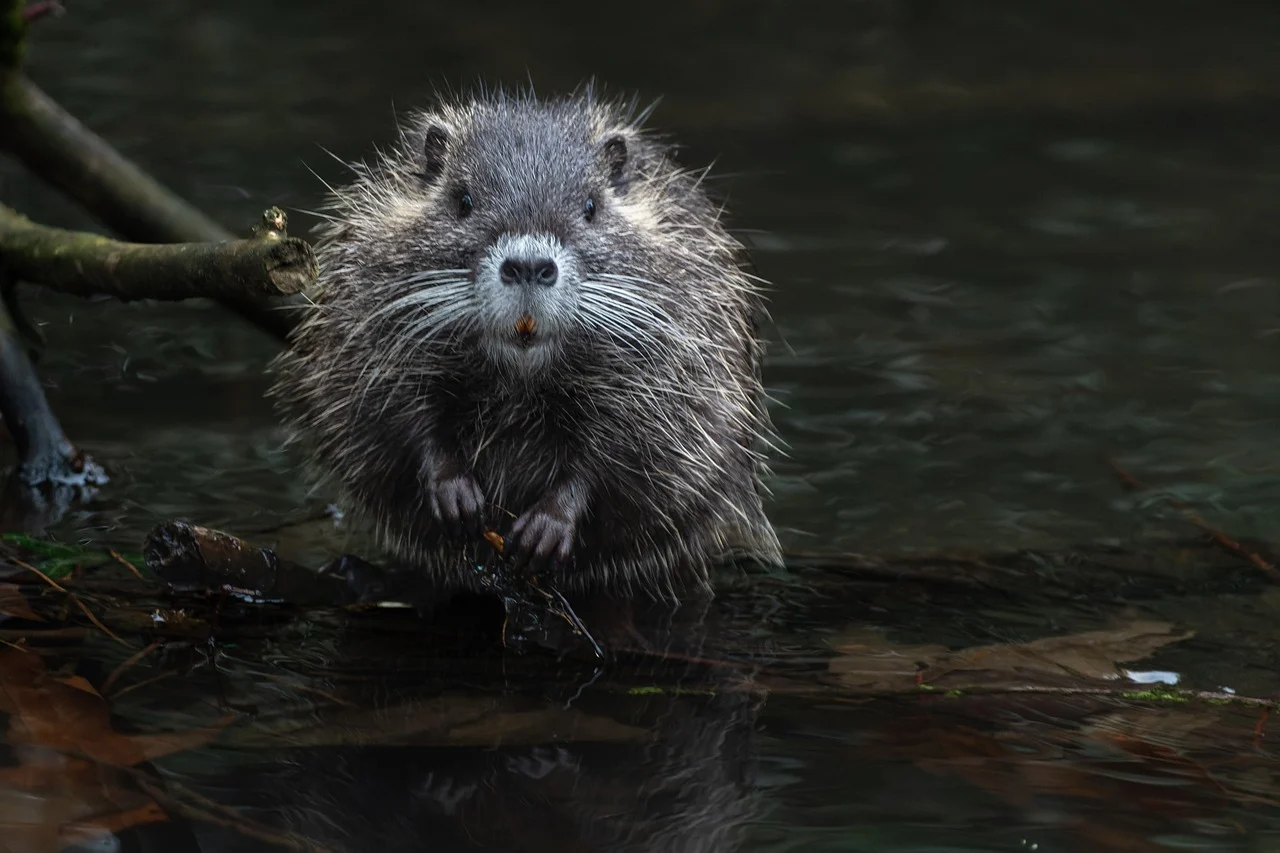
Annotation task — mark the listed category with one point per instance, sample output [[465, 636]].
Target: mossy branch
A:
[[85, 264], [247, 276], [60, 150]]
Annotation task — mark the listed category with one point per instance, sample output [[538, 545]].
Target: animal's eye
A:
[[589, 209], [465, 205]]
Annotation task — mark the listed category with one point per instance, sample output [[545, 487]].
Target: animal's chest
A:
[[519, 446]]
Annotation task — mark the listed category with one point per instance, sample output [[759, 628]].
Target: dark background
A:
[[1005, 238]]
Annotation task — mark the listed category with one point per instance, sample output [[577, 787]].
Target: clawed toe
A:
[[540, 540], [458, 504]]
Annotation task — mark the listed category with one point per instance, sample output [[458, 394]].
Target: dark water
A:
[[976, 299]]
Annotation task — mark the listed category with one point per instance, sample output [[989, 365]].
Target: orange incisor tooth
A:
[[526, 325]]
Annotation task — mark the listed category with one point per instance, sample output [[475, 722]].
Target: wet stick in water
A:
[[194, 559], [526, 600], [1217, 536], [86, 264], [45, 453], [75, 600]]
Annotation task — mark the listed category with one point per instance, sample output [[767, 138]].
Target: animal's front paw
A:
[[541, 538], [458, 504]]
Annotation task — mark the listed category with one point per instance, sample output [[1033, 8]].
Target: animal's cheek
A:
[[607, 249], [455, 248]]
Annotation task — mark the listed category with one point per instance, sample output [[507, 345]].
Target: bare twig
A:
[[115, 555], [74, 598], [1217, 536], [138, 685], [128, 664], [86, 264]]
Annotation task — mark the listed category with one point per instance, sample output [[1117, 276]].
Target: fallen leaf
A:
[[70, 784], [79, 683], [1093, 654], [866, 661], [51, 713], [15, 605], [51, 800]]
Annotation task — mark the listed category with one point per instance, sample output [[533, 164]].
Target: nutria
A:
[[530, 319]]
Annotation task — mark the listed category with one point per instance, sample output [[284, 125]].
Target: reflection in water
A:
[[682, 784], [729, 726], [33, 510], [656, 759]]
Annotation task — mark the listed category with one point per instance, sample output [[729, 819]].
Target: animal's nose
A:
[[541, 271]]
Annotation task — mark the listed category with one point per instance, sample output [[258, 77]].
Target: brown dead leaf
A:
[[1093, 654], [45, 711], [866, 661], [71, 784], [15, 605], [79, 683], [52, 799]]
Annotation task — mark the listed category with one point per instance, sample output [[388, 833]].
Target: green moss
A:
[[42, 547], [57, 559], [662, 691], [1160, 693], [954, 693]]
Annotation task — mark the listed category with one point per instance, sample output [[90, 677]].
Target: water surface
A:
[[970, 312]]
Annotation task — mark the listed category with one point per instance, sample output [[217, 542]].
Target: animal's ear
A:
[[615, 155], [434, 144]]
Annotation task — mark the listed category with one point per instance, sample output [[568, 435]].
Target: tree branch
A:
[[85, 264], [45, 454], [60, 150]]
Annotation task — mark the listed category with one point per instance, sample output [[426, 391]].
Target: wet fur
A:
[[649, 403]]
